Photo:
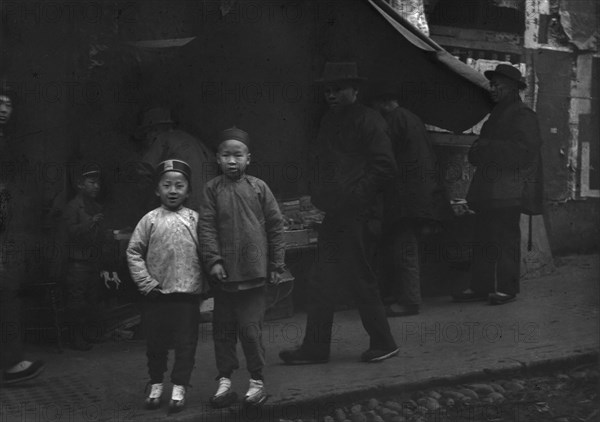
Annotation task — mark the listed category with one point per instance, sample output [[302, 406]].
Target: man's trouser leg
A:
[[405, 257], [507, 232], [322, 295], [345, 260], [11, 341], [356, 251], [484, 253]]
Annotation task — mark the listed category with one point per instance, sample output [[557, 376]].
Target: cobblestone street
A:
[[562, 396]]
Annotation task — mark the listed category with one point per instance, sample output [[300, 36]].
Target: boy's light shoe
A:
[[256, 394], [177, 398], [153, 399], [224, 396], [224, 387]]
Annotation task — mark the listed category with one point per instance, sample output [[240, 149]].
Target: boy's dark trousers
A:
[[239, 314], [345, 262], [171, 322], [496, 251]]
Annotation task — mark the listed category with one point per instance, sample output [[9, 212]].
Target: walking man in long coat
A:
[[355, 160]]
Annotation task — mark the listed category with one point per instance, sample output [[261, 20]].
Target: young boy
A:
[[241, 232], [83, 220], [164, 263]]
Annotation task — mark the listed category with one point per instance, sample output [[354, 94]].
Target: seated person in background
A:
[[85, 232]]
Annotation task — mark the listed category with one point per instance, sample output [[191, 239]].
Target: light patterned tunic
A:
[[163, 252]]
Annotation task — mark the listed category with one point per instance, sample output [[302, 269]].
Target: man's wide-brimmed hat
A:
[[340, 72], [152, 117], [509, 72]]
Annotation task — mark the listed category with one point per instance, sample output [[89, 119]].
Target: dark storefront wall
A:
[[83, 86], [256, 67], [554, 71]]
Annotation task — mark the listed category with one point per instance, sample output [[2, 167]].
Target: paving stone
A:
[[455, 395], [434, 394], [340, 415], [357, 408], [496, 397], [513, 386], [393, 405], [373, 404], [469, 393], [432, 404], [358, 417], [497, 388], [482, 389]]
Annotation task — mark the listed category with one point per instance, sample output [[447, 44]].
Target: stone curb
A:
[[307, 409]]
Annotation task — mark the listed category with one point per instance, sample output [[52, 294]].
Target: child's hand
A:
[[98, 217], [154, 293], [218, 272], [274, 278], [108, 278]]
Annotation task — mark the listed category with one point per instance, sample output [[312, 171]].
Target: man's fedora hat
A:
[[152, 117], [509, 72], [340, 71]]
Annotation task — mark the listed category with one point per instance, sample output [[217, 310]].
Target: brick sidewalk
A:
[[554, 318]]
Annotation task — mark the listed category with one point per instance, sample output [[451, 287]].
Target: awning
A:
[[420, 40]]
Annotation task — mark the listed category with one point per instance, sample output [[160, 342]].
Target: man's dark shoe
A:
[[469, 296], [374, 355], [397, 310], [35, 369], [299, 356], [500, 298]]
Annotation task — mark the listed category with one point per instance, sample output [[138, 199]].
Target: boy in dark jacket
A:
[[83, 219], [241, 233]]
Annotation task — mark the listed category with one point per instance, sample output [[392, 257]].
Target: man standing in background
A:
[[506, 183], [415, 202]]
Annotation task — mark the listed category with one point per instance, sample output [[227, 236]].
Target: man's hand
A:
[[218, 272]]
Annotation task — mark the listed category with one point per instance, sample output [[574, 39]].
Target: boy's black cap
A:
[[235, 134], [88, 170], [174, 165]]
